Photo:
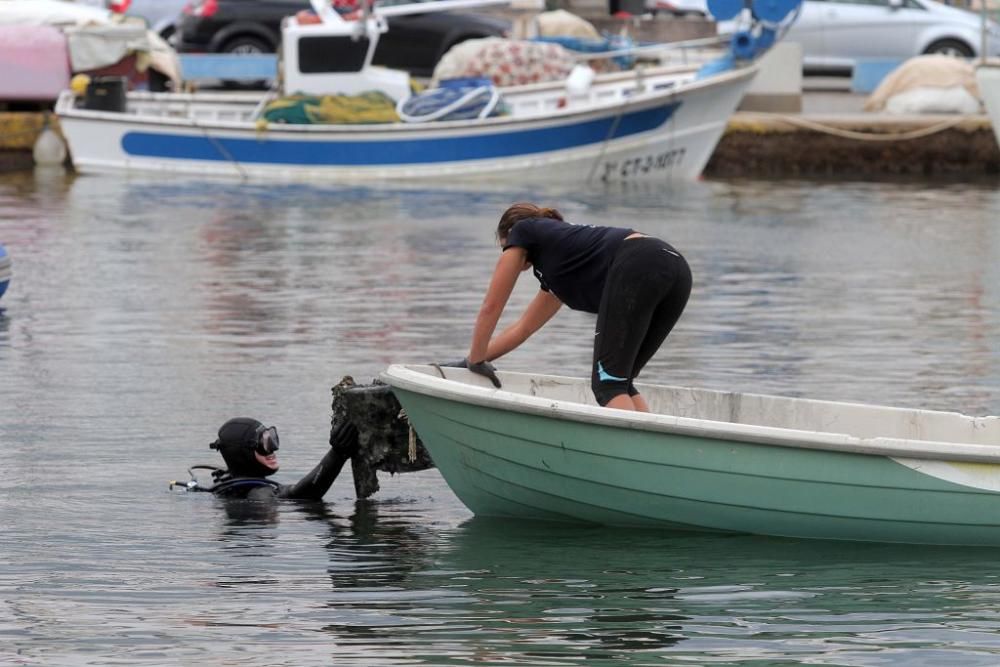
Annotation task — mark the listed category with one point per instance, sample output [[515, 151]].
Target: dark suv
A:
[[414, 42]]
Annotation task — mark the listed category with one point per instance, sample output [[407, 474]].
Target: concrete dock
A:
[[856, 145], [833, 136]]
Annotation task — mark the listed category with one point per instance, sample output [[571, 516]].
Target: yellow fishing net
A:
[[369, 107]]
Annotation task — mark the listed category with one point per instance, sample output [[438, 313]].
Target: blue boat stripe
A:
[[606, 376], [270, 149]]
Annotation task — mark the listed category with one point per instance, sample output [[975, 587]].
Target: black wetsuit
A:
[[311, 487], [343, 444], [638, 287]]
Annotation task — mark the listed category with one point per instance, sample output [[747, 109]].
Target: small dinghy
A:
[[541, 449]]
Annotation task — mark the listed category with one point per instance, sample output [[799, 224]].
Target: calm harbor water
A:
[[144, 312]]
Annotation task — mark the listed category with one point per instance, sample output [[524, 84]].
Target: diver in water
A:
[[250, 451]]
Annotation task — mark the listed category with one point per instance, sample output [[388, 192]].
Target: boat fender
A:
[[579, 80], [5, 270], [49, 149]]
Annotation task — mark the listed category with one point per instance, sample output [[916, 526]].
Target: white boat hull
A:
[[645, 134]]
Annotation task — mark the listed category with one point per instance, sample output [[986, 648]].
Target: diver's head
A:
[[248, 447]]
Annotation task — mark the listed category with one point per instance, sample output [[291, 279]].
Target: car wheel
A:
[[246, 45], [252, 45], [950, 47]]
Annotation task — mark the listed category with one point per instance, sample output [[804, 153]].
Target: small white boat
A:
[[541, 449], [651, 124]]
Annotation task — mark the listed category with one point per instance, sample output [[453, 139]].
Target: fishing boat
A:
[[649, 124], [540, 448]]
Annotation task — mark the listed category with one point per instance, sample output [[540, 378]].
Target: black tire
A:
[[950, 47], [247, 44]]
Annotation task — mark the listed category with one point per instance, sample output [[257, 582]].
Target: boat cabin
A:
[[330, 54]]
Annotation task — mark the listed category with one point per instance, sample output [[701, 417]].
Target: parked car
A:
[[414, 42], [836, 33], [162, 16]]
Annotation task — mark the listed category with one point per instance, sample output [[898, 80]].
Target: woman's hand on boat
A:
[[483, 368]]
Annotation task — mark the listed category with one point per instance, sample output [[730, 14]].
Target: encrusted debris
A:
[[386, 441]]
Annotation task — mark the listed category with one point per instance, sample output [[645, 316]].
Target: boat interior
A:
[[855, 419]]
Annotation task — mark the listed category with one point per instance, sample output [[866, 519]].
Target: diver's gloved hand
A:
[[345, 438], [483, 368]]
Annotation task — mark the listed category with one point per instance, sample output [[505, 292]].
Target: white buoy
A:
[[579, 80], [49, 148]]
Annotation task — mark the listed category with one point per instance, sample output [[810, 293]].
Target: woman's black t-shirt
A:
[[571, 261]]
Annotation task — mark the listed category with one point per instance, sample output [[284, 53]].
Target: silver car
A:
[[836, 33], [161, 16]]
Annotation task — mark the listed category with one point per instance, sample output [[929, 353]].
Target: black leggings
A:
[[645, 293]]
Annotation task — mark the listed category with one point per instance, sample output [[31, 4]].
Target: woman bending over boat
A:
[[637, 285]]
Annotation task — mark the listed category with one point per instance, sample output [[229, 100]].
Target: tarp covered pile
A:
[[928, 84]]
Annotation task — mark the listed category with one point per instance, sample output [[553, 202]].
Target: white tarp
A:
[[96, 46], [928, 84]]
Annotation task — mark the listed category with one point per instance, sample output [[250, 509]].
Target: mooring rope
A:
[[223, 151], [873, 136]]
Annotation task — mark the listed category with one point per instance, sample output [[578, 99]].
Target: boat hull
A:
[[555, 464], [658, 135]]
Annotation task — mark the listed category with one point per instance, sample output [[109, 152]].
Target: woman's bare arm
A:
[[505, 275], [539, 311]]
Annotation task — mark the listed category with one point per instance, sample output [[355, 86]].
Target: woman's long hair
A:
[[522, 211]]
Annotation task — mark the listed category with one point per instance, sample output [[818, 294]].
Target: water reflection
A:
[[622, 596]]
